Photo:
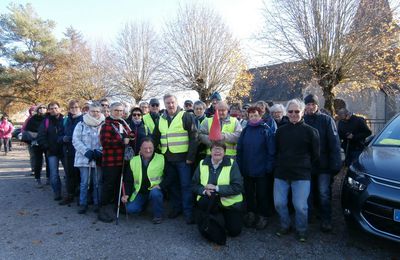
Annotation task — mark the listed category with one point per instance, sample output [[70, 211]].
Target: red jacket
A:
[[112, 141]]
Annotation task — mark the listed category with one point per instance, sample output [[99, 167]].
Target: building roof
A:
[[279, 82]]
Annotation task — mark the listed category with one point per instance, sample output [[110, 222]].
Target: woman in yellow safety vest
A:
[[218, 175]]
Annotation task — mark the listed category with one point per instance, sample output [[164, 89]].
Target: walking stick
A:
[[97, 185], [120, 190], [88, 183], [123, 194]]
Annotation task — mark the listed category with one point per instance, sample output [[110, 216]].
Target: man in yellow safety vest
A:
[[143, 181], [176, 132], [230, 129]]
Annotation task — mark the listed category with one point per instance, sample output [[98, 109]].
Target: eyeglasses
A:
[[155, 105], [135, 114], [42, 107], [95, 111], [104, 105], [73, 107], [118, 110], [293, 111]]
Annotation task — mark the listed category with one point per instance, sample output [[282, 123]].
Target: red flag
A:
[[215, 130]]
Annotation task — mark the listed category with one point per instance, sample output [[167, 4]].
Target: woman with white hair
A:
[[86, 141], [297, 147], [278, 113]]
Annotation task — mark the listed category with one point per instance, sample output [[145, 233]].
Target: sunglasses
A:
[[42, 107], [104, 105], [293, 111], [136, 114], [155, 105]]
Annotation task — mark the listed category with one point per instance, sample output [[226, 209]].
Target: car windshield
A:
[[390, 136]]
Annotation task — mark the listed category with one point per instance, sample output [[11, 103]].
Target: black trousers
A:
[[232, 217], [110, 187], [72, 175], [256, 192], [38, 154]]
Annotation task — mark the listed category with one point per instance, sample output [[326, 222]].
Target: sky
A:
[[103, 19]]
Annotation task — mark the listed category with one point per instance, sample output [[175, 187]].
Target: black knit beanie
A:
[[311, 99]]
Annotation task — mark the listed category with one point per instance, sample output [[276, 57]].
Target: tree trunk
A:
[[329, 98]]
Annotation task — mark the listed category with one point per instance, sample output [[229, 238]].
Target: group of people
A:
[[265, 159]]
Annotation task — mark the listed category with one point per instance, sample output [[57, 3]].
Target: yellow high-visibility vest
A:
[[148, 121], [224, 178], [155, 171], [175, 137], [226, 128]]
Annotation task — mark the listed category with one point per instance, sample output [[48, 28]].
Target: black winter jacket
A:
[[297, 147], [48, 135], [329, 144]]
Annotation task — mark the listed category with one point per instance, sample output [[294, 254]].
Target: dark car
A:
[[371, 187], [17, 133]]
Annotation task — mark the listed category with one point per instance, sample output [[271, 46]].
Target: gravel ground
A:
[[33, 226]]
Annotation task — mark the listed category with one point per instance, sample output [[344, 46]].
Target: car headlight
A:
[[356, 181], [355, 185]]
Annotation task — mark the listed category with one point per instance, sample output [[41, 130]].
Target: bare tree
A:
[[137, 60], [202, 54], [329, 36]]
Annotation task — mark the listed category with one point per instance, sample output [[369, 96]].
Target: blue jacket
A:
[[329, 160], [270, 122], [256, 150], [141, 131], [69, 125]]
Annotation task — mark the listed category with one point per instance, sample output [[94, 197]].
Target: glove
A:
[[98, 154], [67, 139], [90, 155]]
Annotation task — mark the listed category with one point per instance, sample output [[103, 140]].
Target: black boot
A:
[[104, 216], [67, 200]]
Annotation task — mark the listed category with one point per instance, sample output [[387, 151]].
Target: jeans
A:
[[155, 197], [93, 176], [6, 142], [300, 192], [322, 184], [178, 182], [55, 181]]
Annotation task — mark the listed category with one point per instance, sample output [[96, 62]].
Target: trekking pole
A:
[[123, 194], [96, 179], [120, 191], [88, 183]]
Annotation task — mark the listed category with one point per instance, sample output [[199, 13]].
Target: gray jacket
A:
[[85, 138]]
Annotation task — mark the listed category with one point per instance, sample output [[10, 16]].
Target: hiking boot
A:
[[66, 201], [261, 223], [103, 216], [190, 220], [249, 220], [282, 231], [302, 236], [174, 214], [57, 196], [326, 227], [39, 184], [157, 220], [82, 209], [96, 209]]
